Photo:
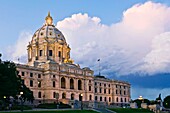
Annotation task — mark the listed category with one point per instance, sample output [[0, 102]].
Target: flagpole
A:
[[99, 66]]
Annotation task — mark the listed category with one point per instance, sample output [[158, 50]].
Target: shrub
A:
[[53, 106]]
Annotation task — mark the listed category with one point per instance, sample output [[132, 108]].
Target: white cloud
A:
[[121, 46], [128, 46], [19, 49], [158, 59]]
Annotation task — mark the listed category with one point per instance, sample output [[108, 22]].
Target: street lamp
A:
[[4, 102], [81, 101], [21, 93]]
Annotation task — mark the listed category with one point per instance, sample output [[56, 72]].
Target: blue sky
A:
[[131, 40]]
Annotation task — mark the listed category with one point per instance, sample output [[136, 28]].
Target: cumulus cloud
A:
[[136, 44], [19, 49], [158, 59], [123, 47]]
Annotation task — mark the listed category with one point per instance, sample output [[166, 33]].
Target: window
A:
[[109, 91], [63, 96], [100, 90], [59, 53], [124, 92], [109, 85], [95, 83], [124, 87], [39, 75], [120, 92], [105, 99], [80, 97], [95, 90], [104, 85], [117, 100], [39, 94], [116, 91], [41, 34], [100, 98], [72, 96], [125, 99], [22, 73], [121, 100], [50, 53], [89, 81], [31, 74], [31, 83], [50, 33], [71, 84], [79, 85], [100, 84], [89, 88], [116, 86], [96, 98], [104, 91], [39, 84], [90, 97], [53, 94], [63, 82], [53, 76], [53, 83], [109, 99], [41, 51]]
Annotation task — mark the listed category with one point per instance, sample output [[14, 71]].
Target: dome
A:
[[48, 32]]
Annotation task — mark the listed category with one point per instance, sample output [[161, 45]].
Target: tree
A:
[[11, 83], [138, 102], [166, 102]]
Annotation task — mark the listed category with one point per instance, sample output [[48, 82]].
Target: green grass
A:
[[64, 111], [129, 110]]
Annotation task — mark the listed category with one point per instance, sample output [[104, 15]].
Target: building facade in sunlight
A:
[[52, 76]]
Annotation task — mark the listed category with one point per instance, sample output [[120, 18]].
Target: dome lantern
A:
[[48, 19]]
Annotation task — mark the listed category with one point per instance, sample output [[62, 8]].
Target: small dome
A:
[[48, 32]]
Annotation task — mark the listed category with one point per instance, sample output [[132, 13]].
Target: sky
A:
[[130, 37]]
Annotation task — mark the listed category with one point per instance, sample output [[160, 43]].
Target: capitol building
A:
[[52, 75]]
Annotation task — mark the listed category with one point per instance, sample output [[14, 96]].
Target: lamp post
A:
[[21, 93], [81, 101], [4, 102]]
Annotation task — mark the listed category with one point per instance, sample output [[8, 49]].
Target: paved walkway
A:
[[103, 110]]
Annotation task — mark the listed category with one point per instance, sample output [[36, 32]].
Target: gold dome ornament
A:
[[49, 19]]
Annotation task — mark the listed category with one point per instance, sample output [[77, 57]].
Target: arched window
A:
[[105, 99], [117, 100], [50, 53], [96, 98], [39, 94], [71, 84], [90, 97], [100, 98], [63, 82], [54, 94], [79, 85], [109, 99], [125, 99], [121, 100], [41, 52], [80, 97], [63, 95], [53, 83], [72, 96]]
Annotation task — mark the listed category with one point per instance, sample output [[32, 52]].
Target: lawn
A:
[[128, 110], [64, 111]]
